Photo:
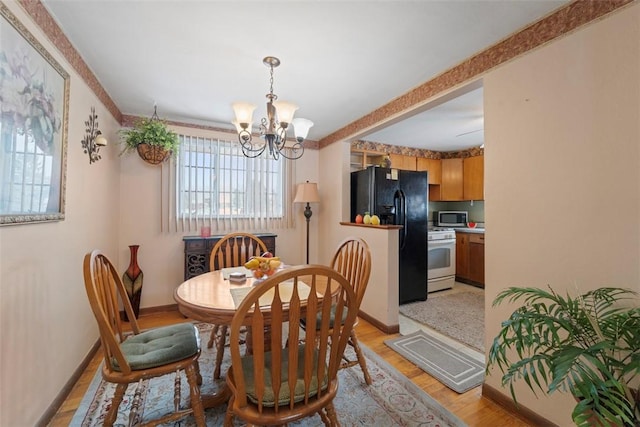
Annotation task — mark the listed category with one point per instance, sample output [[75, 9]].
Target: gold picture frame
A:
[[34, 115]]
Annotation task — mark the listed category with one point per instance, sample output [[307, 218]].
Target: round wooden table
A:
[[208, 297]]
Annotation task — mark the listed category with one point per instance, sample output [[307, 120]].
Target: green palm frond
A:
[[588, 345]]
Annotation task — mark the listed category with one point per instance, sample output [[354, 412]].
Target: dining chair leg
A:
[[212, 337], [331, 414], [115, 403], [222, 340], [228, 417], [361, 360], [196, 400], [324, 417], [198, 375]]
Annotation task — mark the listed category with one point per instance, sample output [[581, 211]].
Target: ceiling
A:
[[340, 59]]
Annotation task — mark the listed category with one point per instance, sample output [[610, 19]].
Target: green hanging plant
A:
[[151, 138]]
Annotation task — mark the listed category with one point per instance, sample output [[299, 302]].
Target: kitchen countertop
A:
[[469, 230]]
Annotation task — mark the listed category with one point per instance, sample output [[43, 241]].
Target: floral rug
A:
[[392, 400]]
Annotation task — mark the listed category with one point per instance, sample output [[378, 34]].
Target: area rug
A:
[[450, 366], [392, 399], [457, 315]]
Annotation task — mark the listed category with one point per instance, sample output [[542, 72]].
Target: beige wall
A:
[[562, 144], [46, 325]]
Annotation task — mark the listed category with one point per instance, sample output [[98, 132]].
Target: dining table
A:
[[212, 298]]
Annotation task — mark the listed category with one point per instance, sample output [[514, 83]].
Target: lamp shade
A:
[[301, 127], [285, 111], [307, 193], [243, 112], [100, 140], [239, 126]]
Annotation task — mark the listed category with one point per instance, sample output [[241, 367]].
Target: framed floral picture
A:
[[34, 110]]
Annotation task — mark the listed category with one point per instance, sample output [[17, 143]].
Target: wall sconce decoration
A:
[[94, 139]]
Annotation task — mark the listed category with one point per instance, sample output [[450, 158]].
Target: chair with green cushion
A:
[[352, 259], [135, 356], [274, 382]]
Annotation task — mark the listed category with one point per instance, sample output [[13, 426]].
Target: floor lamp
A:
[[307, 193]]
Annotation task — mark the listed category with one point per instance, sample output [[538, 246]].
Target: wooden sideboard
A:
[[198, 249]]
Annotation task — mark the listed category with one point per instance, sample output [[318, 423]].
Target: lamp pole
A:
[[307, 215]]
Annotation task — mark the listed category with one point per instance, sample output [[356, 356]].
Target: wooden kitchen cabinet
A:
[[433, 166], [362, 159], [400, 161], [473, 178], [452, 186], [470, 258], [462, 256]]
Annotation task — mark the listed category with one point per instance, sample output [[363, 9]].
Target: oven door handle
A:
[[440, 242]]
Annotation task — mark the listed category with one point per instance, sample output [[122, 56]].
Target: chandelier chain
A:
[[271, 95]]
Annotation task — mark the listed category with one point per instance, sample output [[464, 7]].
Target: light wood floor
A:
[[471, 407]]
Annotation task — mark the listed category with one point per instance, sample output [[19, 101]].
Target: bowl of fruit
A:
[[263, 266]]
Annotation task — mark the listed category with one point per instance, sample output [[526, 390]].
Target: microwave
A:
[[451, 218]]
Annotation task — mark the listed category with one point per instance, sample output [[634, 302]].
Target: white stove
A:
[[441, 247], [440, 233]]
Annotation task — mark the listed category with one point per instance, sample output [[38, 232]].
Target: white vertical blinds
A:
[[211, 183]]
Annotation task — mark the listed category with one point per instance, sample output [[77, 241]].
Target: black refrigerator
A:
[[398, 197]]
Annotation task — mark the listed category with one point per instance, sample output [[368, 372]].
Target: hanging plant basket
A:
[[152, 139], [152, 154]]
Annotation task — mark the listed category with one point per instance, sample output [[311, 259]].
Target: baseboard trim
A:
[[51, 411], [506, 402], [153, 310], [159, 309], [387, 329]]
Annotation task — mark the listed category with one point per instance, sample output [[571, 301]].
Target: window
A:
[[26, 175], [217, 185]]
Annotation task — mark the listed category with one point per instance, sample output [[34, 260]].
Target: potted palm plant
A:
[[588, 345], [151, 138]]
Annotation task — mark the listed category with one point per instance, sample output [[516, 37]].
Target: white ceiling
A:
[[340, 59]]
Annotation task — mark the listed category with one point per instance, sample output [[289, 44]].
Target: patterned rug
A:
[[392, 400], [457, 315], [450, 366]]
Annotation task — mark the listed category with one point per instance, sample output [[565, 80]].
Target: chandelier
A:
[[274, 127]]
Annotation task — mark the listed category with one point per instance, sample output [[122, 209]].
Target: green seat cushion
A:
[[160, 346], [332, 318], [269, 399]]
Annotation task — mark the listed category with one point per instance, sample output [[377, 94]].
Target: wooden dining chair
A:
[[138, 356], [233, 250], [352, 259], [282, 378]]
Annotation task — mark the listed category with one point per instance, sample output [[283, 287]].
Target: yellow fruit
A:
[[252, 263], [274, 263], [375, 220], [367, 218]]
